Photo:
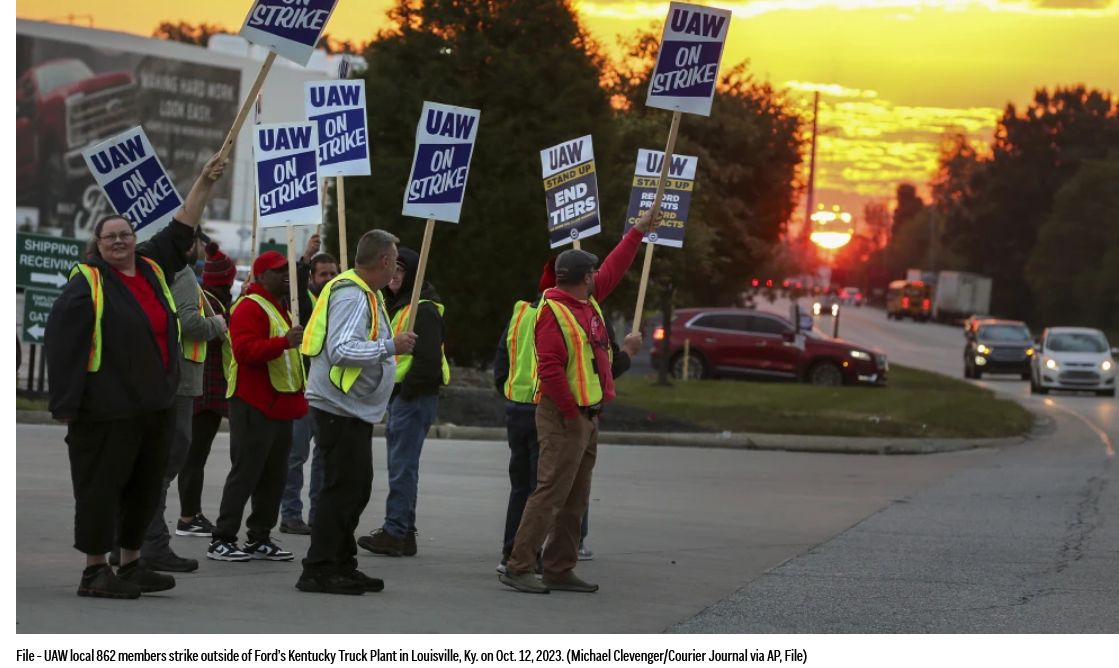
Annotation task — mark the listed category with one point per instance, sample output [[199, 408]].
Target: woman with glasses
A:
[[113, 352]]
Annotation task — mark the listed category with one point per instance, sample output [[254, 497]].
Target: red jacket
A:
[[551, 351], [254, 349]]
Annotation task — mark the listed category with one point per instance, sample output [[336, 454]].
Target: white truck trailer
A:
[[959, 295]]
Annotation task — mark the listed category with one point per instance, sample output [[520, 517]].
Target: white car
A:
[[1073, 358]]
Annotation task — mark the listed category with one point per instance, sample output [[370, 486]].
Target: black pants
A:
[[258, 453], [117, 469], [524, 451], [204, 428], [347, 451]]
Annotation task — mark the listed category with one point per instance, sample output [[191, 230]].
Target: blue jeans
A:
[[291, 506], [407, 428]]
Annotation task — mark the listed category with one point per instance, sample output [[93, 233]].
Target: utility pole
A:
[[810, 200]]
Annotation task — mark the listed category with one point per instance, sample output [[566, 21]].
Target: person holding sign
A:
[[113, 347], [413, 406], [352, 349], [573, 359], [265, 396]]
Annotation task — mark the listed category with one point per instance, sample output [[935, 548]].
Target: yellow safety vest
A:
[[404, 362], [314, 333], [226, 341], [92, 275], [520, 385], [195, 351], [285, 373], [581, 377]]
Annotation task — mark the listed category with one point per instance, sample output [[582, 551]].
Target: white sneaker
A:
[[584, 553]]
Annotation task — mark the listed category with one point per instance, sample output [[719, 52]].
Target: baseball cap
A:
[[268, 260], [572, 265]]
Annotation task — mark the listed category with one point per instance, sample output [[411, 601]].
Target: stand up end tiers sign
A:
[[291, 28], [133, 179], [688, 62], [338, 109], [444, 143], [287, 177], [571, 191]]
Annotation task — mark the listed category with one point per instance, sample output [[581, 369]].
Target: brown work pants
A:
[[563, 490]]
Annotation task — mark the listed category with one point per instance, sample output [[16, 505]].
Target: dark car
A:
[[998, 346], [735, 342]]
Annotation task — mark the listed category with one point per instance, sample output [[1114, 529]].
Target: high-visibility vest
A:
[[520, 341], [404, 362], [314, 333], [226, 340], [285, 373], [313, 297], [581, 376], [195, 351], [92, 275]]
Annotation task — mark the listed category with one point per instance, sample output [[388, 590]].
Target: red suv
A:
[[724, 342]]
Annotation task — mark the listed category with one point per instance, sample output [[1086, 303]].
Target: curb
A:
[[847, 445]]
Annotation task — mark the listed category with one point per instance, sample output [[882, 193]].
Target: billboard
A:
[[71, 95]]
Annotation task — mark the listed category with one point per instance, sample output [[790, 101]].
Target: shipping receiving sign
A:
[[338, 109], [571, 191], [688, 62], [291, 28], [287, 178], [133, 179], [675, 202], [445, 139]]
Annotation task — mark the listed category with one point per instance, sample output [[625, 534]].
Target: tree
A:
[[534, 73], [876, 215], [190, 33], [907, 205]]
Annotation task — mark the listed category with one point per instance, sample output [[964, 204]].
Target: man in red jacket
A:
[[266, 395], [573, 365]]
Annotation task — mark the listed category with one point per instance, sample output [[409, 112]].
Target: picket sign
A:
[[684, 79], [445, 137], [571, 193], [677, 195]]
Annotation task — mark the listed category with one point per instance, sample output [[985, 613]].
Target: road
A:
[[1025, 541]]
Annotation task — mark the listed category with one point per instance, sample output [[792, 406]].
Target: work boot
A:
[[569, 582], [410, 543], [172, 563], [296, 525], [329, 583], [525, 582], [369, 584], [99, 581], [382, 542]]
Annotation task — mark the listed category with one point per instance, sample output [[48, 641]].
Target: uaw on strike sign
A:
[[289, 27], [444, 143], [132, 177], [571, 191], [688, 61], [287, 177], [677, 197], [338, 109]]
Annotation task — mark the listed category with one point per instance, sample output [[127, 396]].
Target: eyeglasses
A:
[[119, 236]]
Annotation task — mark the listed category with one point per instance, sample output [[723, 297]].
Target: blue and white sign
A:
[[338, 109], [133, 179], [688, 62], [571, 191], [444, 143], [675, 202], [287, 178], [291, 28]]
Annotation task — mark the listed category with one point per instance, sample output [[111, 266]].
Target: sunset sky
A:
[[895, 74]]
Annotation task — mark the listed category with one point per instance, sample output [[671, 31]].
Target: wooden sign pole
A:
[[250, 100], [253, 251], [576, 245], [668, 148], [292, 276], [340, 182], [425, 249]]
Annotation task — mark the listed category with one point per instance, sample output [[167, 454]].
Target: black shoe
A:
[[295, 526], [172, 563], [368, 584], [138, 573], [329, 583], [382, 542], [99, 581], [410, 544], [114, 556], [267, 550], [197, 526]]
